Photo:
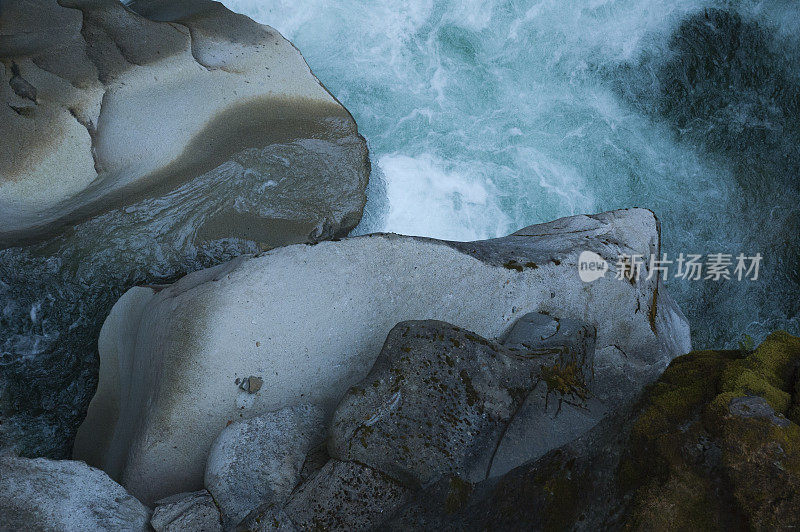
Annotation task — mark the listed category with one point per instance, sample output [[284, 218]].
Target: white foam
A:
[[430, 197]]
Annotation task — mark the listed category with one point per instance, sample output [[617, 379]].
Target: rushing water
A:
[[484, 116]]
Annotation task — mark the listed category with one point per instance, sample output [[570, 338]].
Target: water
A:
[[485, 116]]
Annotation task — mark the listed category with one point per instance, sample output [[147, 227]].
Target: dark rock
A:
[[436, 403], [187, 511], [345, 496], [572, 487]]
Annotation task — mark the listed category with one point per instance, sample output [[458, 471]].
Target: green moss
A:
[[688, 383], [688, 410], [682, 503], [767, 372], [567, 381]]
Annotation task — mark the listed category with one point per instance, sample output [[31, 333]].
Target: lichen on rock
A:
[[717, 443]]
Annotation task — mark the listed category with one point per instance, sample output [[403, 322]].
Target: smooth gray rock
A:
[[545, 420], [543, 334], [103, 106], [311, 320], [194, 511], [258, 461], [345, 496], [436, 403], [64, 495]]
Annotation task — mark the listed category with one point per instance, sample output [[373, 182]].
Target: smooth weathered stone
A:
[[258, 461], [311, 320], [344, 496], [139, 143], [543, 334], [104, 106], [194, 511], [436, 403], [64, 495], [547, 420]]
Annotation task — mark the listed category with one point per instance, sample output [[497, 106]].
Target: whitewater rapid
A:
[[485, 116]]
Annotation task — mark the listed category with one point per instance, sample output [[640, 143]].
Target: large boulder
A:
[[104, 104], [257, 461], [41, 494], [139, 143], [717, 443], [309, 321]]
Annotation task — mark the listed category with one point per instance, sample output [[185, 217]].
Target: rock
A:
[[757, 407], [547, 335], [565, 416], [712, 447], [41, 494], [573, 487], [258, 461], [127, 100], [251, 384], [266, 519], [138, 144], [438, 401], [187, 511], [321, 314], [344, 496]]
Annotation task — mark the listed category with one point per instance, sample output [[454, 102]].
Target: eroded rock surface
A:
[[311, 320], [107, 103], [140, 143], [42, 494], [187, 511], [258, 461]]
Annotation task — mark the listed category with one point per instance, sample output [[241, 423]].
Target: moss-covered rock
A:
[[717, 445]]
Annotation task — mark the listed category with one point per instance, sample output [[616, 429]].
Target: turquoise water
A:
[[486, 116]]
